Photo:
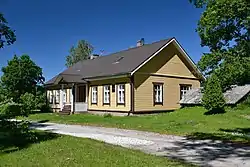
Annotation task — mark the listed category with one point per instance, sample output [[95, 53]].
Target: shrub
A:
[[244, 104], [107, 115], [29, 103], [213, 99], [10, 109]]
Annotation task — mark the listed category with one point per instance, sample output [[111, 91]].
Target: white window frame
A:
[[106, 94], [158, 93], [50, 94], [94, 94], [120, 94], [183, 89], [64, 95], [57, 97]]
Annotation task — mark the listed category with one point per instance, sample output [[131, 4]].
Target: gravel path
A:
[[200, 152]]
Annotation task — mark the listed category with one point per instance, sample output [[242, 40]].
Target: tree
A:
[[21, 76], [81, 52], [224, 27], [7, 36], [213, 99]]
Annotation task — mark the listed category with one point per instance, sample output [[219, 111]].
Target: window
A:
[[50, 94], [57, 97], [64, 96], [106, 94], [121, 94], [94, 95], [184, 89], [158, 93]]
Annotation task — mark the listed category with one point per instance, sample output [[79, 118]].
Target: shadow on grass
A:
[[237, 135], [43, 121], [215, 111], [203, 148], [243, 131], [18, 137]]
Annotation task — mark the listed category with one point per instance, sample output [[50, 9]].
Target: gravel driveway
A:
[[201, 152]]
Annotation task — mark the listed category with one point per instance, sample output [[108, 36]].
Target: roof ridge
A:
[[136, 47]]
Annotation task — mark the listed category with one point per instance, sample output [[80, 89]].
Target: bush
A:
[[213, 99], [107, 115], [10, 109], [29, 103]]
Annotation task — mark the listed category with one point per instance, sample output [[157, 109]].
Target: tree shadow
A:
[[207, 150], [15, 138], [243, 131], [215, 111], [43, 121], [237, 135]]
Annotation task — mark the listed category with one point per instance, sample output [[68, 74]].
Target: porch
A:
[[68, 98]]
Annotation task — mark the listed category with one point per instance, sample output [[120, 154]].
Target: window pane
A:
[[94, 94], [121, 93], [184, 89], [106, 91], [158, 93], [64, 96]]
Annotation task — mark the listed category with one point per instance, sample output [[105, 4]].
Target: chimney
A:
[[140, 42], [93, 56]]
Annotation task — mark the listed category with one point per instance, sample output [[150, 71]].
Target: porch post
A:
[[61, 97], [72, 99], [75, 93], [87, 94], [53, 97]]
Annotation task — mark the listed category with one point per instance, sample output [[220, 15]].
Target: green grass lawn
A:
[[62, 151], [188, 121]]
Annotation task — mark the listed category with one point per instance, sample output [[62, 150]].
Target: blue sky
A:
[[46, 29]]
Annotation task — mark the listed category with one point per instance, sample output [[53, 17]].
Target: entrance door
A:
[[82, 93]]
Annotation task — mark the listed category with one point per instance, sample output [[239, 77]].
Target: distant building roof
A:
[[232, 96]]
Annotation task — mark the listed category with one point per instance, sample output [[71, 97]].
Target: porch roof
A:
[[65, 78]]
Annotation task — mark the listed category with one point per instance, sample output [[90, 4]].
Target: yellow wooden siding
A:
[[113, 101], [144, 100], [175, 67], [169, 62], [170, 68]]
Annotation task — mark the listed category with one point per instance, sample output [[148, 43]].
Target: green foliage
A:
[[107, 115], [2, 93], [56, 151], [213, 99], [40, 99], [224, 27], [7, 36], [10, 109], [245, 104], [81, 52], [28, 101], [21, 76]]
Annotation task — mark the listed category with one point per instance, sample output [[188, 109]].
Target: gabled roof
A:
[[123, 62], [232, 96]]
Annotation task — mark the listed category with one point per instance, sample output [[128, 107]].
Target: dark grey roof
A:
[[232, 96], [122, 62]]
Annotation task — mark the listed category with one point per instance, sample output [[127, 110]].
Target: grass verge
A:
[[234, 125], [61, 151]]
